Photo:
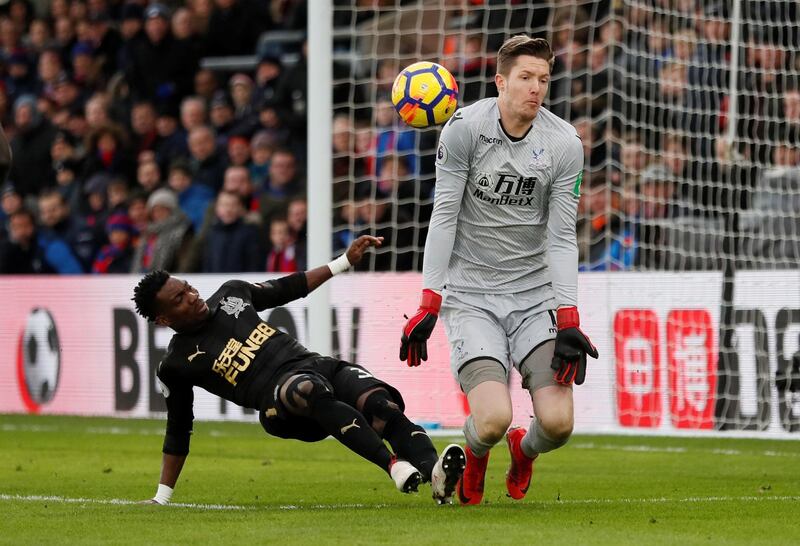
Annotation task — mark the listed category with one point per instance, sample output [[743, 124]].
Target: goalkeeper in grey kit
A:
[[501, 266], [223, 346]]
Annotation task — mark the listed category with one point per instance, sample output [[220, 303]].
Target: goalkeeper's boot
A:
[[446, 473], [405, 476], [518, 477], [470, 486]]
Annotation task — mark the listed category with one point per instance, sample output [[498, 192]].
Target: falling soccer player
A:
[[222, 345], [501, 263]]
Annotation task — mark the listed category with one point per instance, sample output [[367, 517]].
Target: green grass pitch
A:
[[74, 480]]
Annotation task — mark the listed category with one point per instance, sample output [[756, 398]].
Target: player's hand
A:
[[414, 341], [360, 245], [572, 346]]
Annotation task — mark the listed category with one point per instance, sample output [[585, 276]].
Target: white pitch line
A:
[[312, 507], [681, 450]]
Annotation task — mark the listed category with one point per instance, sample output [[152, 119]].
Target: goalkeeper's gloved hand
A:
[[414, 341], [572, 346]]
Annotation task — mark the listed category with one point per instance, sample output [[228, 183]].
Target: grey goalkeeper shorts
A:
[[502, 327]]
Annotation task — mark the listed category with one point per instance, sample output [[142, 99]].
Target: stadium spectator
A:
[[106, 150], [606, 241], [296, 218], [237, 180], [161, 67], [94, 209], [117, 255], [59, 233], [232, 245], [193, 198], [19, 81], [193, 113], [10, 202], [282, 257], [241, 89], [106, 42], [30, 147], [117, 196], [207, 161], [20, 252], [184, 32], [171, 140], [656, 205], [267, 76], [284, 183], [137, 210], [261, 148], [394, 181], [390, 138], [271, 123], [374, 216], [292, 101], [143, 127], [205, 84], [165, 240], [148, 176], [222, 119], [239, 152], [96, 111], [234, 26]]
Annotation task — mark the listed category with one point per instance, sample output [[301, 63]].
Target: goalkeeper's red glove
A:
[[414, 341], [572, 346]]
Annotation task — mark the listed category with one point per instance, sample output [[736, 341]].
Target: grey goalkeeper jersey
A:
[[504, 210]]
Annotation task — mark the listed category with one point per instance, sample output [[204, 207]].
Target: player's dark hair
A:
[[519, 45], [145, 293]]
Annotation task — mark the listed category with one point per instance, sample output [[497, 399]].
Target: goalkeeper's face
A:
[[524, 88]]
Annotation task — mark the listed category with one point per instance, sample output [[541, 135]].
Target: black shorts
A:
[[346, 381]]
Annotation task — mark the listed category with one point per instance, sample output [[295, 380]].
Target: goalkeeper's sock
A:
[[536, 441], [478, 447], [347, 425]]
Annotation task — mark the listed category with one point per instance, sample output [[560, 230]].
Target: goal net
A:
[[689, 114]]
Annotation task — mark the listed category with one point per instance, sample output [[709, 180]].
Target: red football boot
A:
[[518, 477], [470, 486]]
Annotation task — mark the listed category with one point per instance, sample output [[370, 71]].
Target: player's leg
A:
[[551, 426], [410, 441], [478, 359], [311, 395], [485, 384], [532, 342], [383, 406], [552, 404]]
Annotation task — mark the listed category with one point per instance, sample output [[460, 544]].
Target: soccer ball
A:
[[425, 94], [41, 358]]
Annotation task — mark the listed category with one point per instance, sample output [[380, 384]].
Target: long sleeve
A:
[[452, 169], [561, 235]]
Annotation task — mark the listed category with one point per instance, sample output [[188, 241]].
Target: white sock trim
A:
[[164, 494]]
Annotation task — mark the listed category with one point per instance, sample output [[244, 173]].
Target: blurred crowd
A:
[[131, 154], [128, 155]]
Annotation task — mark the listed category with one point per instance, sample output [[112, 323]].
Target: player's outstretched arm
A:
[[171, 466], [319, 275], [277, 292]]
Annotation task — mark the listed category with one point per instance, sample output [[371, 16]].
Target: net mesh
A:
[[691, 131]]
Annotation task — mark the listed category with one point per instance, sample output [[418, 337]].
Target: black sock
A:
[[409, 441], [348, 426]]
